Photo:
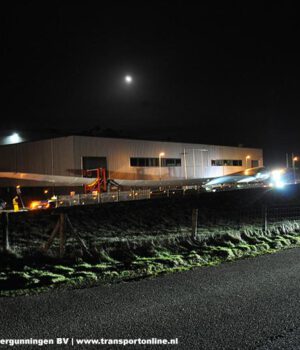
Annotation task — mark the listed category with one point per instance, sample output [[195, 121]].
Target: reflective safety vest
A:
[[16, 204]]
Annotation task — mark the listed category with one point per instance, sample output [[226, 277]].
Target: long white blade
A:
[[52, 179]]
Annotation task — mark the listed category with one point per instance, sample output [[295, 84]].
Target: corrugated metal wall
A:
[[53, 156], [63, 156], [198, 157]]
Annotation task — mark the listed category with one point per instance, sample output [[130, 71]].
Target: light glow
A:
[[12, 139], [128, 79], [277, 184], [35, 205], [276, 174], [276, 178]]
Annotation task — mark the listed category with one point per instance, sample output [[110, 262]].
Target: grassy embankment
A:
[[129, 259], [140, 239]]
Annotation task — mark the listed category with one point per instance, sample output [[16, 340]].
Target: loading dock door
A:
[[254, 163], [89, 163]]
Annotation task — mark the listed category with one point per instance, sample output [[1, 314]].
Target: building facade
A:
[[126, 158]]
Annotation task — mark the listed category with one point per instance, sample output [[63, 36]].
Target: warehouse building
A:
[[126, 158]]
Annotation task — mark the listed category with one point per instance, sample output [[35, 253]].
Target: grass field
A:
[[141, 239]]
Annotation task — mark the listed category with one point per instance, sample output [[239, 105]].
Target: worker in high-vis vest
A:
[[16, 203]]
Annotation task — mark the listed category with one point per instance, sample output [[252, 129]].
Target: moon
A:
[[128, 79]]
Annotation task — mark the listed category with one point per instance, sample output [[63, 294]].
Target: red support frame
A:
[[100, 184]]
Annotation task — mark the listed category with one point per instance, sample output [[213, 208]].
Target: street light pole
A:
[[161, 154], [247, 157], [295, 159]]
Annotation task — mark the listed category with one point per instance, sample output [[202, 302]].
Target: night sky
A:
[[222, 73]]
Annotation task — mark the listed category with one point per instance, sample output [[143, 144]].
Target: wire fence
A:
[[201, 221], [263, 217]]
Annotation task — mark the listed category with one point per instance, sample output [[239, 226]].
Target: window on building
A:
[[171, 162], [254, 163], [133, 162], [237, 162], [154, 162], [226, 162]]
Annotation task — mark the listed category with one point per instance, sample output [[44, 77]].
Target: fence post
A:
[[194, 222], [62, 235], [6, 245], [265, 219], [239, 221]]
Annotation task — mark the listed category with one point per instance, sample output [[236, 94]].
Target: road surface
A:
[[247, 304]]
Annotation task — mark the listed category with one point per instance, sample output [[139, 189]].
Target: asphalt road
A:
[[247, 304]]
